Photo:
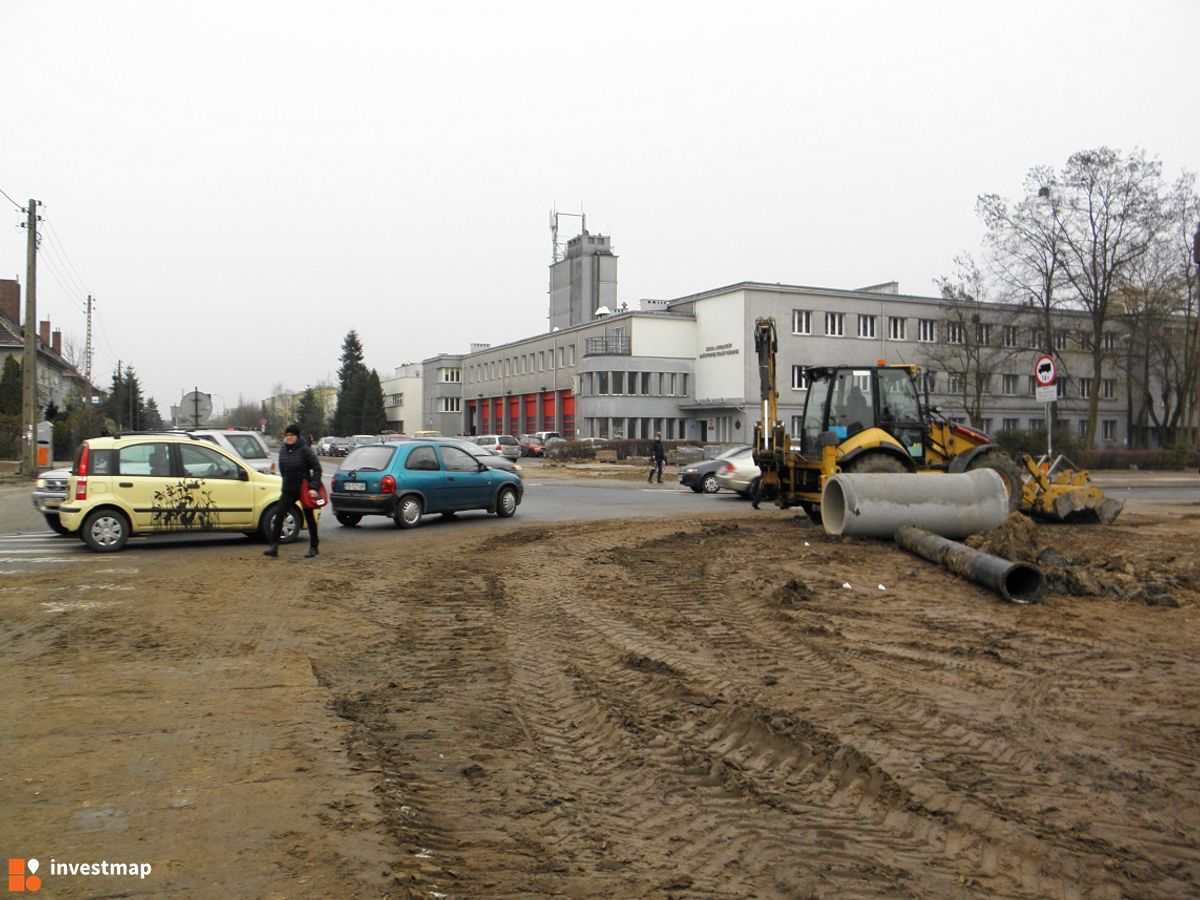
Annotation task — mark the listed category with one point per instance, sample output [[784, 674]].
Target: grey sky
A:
[[240, 183]]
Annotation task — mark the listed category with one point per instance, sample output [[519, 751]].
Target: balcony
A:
[[621, 345]]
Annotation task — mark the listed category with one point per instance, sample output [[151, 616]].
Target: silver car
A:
[[49, 492], [739, 473], [504, 444]]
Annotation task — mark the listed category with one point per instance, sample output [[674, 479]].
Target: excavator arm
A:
[[771, 440]]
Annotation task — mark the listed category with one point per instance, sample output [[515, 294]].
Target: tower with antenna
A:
[[583, 274]]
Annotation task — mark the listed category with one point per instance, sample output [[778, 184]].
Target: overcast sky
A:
[[240, 183]]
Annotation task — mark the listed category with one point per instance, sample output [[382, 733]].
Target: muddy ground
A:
[[729, 705]]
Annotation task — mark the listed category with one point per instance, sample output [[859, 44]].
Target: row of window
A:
[[525, 364], [1009, 384], [634, 384], [927, 331]]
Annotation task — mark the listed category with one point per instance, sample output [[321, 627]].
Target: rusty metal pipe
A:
[[1016, 582]]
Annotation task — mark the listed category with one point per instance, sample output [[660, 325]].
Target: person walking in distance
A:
[[297, 463], [658, 457]]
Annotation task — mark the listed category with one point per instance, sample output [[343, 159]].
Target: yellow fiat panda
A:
[[137, 484]]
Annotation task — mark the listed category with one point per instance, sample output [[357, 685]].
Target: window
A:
[[801, 321], [570, 356], [983, 334], [1085, 388], [1009, 385], [1108, 340], [799, 379], [1085, 340], [1011, 424], [1108, 388], [601, 383], [1108, 429], [954, 333], [954, 382], [1010, 336], [835, 324], [198, 462], [1037, 339], [683, 384], [618, 382], [146, 459], [394, 400], [930, 381], [457, 460], [1060, 388], [1060, 339], [422, 459], [797, 427], [985, 425], [866, 326], [451, 404], [645, 384], [927, 331], [453, 376], [896, 328], [1082, 429], [1032, 386], [1037, 424]]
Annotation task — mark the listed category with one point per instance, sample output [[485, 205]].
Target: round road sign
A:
[[1045, 371]]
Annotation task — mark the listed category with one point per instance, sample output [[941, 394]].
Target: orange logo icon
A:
[[18, 881]]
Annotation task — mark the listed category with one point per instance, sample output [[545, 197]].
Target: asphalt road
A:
[[26, 543]]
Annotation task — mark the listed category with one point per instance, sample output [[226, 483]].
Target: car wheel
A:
[[348, 519], [56, 524], [105, 530], [506, 502], [709, 485], [409, 512], [291, 525]]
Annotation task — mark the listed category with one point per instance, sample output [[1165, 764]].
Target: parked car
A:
[[406, 480], [545, 436], [340, 446], [701, 476], [361, 440], [739, 473], [127, 485], [325, 445], [485, 455], [48, 494], [249, 445], [531, 445], [504, 444]]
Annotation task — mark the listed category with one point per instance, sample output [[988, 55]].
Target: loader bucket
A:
[[1063, 492]]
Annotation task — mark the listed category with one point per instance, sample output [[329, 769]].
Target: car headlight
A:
[[690, 471], [41, 484]]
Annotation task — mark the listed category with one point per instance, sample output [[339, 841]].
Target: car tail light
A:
[[81, 478], [273, 472], [387, 484], [727, 468]]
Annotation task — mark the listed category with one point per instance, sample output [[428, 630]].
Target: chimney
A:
[[10, 300], [56, 341], [44, 332]]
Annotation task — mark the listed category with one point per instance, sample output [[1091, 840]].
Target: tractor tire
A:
[[1006, 468], [875, 463]]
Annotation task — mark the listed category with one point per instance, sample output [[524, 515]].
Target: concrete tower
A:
[[582, 281]]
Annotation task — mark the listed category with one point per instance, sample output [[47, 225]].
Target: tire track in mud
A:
[[659, 719], [1024, 859]]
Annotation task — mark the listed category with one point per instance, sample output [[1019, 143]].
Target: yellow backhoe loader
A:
[[875, 419]]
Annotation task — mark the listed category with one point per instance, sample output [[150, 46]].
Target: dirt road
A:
[[731, 705]]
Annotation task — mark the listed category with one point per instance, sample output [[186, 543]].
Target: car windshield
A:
[[247, 446], [368, 459]]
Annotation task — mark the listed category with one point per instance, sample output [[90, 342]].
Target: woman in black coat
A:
[[297, 463]]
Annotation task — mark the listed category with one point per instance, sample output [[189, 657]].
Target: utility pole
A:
[[29, 404], [87, 347]]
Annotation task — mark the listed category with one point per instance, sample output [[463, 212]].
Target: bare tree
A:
[[1025, 248], [970, 348], [1109, 211]]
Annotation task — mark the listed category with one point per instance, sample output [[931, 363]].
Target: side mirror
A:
[[243, 474], [482, 466]]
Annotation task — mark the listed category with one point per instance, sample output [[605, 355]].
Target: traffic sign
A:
[[1045, 372]]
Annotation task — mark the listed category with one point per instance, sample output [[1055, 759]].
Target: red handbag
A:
[[308, 502]]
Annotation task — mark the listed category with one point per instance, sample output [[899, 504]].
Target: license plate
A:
[[354, 486]]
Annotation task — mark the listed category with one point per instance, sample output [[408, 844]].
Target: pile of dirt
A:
[[1094, 573]]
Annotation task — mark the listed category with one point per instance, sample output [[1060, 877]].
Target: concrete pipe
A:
[[1016, 582], [875, 505]]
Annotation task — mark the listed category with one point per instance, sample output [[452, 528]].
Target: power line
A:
[[19, 207], [61, 247]]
